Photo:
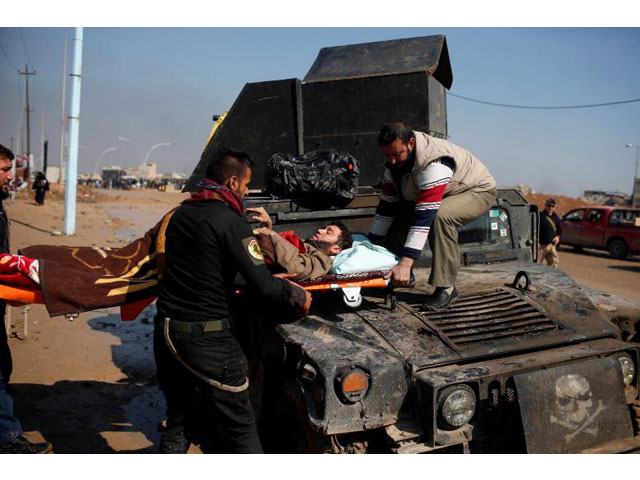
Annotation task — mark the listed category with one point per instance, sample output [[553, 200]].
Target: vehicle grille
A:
[[490, 316]]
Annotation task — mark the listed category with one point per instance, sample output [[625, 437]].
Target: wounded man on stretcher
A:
[[70, 280]]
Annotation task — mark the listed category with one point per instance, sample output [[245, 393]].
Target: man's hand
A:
[[556, 240], [302, 310], [264, 231], [284, 275], [261, 216], [400, 275], [307, 304]]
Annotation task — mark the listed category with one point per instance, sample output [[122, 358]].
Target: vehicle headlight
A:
[[628, 369], [456, 406], [353, 385]]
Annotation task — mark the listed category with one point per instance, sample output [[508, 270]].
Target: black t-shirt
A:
[[207, 244], [4, 231], [549, 227]]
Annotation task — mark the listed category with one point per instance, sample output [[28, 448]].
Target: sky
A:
[[162, 85]]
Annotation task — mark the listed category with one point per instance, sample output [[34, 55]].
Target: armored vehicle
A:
[[526, 360]]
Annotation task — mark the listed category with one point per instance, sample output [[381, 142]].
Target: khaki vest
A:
[[470, 173]]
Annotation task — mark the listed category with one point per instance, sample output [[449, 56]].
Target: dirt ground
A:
[[88, 385], [591, 267], [563, 204]]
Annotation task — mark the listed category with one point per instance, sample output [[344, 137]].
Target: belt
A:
[[198, 327], [169, 325]]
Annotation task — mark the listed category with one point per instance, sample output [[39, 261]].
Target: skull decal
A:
[[574, 406]]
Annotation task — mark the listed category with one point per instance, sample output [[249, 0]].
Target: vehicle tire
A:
[[618, 248], [289, 429]]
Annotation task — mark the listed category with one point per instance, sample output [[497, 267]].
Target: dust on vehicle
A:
[[526, 360]]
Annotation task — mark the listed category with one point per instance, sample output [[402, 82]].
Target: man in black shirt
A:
[[550, 231], [202, 370]]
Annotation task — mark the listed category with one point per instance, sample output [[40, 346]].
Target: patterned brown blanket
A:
[[79, 279]]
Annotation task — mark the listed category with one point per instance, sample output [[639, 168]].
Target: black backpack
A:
[[323, 175]]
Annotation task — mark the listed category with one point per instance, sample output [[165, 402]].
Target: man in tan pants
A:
[[549, 237], [431, 187]]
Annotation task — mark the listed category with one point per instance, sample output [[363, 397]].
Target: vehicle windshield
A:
[[491, 229], [576, 215]]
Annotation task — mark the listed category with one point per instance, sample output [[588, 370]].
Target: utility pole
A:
[[69, 227], [64, 105], [26, 73], [44, 157], [41, 139]]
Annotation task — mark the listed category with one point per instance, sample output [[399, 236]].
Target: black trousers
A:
[[224, 422]]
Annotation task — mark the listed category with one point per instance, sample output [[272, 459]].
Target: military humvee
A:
[[526, 360]]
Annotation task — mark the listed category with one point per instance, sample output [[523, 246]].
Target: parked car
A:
[[615, 229]]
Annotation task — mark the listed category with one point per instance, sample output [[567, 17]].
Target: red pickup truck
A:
[[616, 229]]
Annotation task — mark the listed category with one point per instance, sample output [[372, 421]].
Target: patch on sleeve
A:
[[253, 249]]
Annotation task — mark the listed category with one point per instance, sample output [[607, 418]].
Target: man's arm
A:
[[304, 266], [244, 249], [432, 183], [386, 210], [558, 222]]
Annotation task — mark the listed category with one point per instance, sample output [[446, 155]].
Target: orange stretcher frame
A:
[[19, 295], [368, 283]]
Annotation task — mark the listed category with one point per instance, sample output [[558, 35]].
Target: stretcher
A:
[[18, 296], [350, 285]]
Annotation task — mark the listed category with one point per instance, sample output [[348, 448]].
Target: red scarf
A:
[[210, 190], [294, 239]]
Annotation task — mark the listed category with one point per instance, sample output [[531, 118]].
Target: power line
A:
[[7, 57], [25, 47], [532, 107]]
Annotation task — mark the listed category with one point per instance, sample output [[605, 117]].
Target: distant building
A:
[[144, 172], [52, 174], [636, 197], [602, 197], [113, 175]]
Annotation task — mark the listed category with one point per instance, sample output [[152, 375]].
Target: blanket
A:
[[79, 279]]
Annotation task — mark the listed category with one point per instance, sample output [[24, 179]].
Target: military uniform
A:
[[202, 369], [307, 265]]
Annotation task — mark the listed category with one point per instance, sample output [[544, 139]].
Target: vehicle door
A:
[[626, 223], [634, 235], [594, 228], [571, 226]]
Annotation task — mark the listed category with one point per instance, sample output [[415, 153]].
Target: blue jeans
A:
[[10, 427]]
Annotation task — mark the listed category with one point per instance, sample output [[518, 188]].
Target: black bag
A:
[[324, 175]]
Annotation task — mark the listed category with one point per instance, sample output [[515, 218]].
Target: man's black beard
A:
[[320, 245], [4, 193]]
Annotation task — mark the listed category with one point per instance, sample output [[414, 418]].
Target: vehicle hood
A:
[[489, 319]]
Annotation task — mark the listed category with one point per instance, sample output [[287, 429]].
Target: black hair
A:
[[6, 153], [228, 163], [391, 132], [345, 240]]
